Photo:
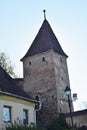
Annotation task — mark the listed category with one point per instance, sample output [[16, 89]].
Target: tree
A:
[[5, 63]]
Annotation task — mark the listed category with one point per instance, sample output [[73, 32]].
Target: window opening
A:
[[37, 106], [25, 116], [37, 98], [61, 59], [29, 62], [43, 59], [7, 114], [62, 78]]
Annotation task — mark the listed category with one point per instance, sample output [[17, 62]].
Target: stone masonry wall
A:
[[42, 77], [62, 80], [39, 79]]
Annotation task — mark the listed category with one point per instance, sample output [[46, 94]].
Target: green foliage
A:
[[20, 126], [6, 64], [59, 124]]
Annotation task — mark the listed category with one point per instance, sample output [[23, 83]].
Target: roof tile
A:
[[7, 84], [44, 41]]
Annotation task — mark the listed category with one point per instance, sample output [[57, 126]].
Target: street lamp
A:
[[68, 93]]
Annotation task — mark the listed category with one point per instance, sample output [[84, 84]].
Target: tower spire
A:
[[44, 14]]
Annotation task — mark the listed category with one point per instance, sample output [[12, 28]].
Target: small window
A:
[[25, 116], [7, 114], [37, 98], [62, 78], [43, 59], [61, 59], [37, 106], [29, 62]]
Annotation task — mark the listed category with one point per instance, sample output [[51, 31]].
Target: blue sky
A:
[[20, 21]]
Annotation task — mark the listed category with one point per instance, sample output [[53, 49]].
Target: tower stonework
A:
[[46, 74]]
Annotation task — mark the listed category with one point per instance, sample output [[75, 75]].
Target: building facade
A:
[[16, 110], [79, 118], [15, 104], [46, 74]]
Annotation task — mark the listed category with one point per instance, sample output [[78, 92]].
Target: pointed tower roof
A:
[[44, 41]]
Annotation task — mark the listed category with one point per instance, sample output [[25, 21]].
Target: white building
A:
[[15, 104]]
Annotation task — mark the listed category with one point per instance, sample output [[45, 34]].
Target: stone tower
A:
[[46, 74]]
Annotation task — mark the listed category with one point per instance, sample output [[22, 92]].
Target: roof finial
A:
[[44, 14]]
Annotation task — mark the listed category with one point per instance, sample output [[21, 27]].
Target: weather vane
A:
[[44, 14]]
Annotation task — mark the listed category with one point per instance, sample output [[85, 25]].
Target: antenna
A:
[[44, 14]]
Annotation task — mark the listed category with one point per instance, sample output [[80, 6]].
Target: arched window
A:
[[43, 59], [29, 62], [37, 98], [38, 105]]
